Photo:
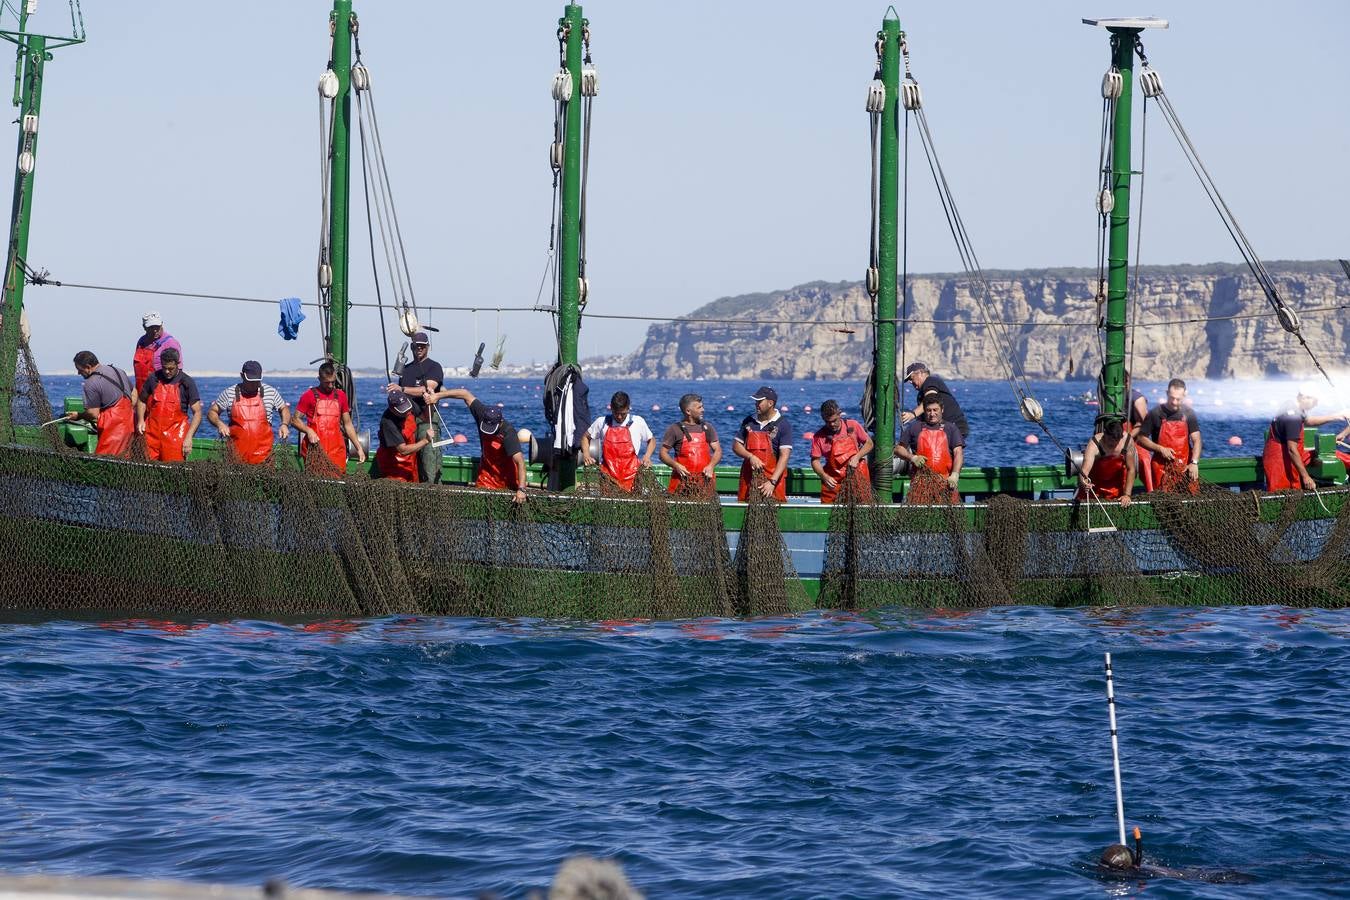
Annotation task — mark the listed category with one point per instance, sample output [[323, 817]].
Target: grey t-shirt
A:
[[106, 386]]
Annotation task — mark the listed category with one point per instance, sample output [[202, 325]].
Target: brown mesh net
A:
[[214, 538]]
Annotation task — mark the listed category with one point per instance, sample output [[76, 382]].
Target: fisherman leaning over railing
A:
[[691, 449], [108, 404], [168, 411], [925, 383], [617, 435], [1110, 463], [396, 457], [501, 463]]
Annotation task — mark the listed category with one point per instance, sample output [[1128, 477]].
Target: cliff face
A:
[[1222, 327]]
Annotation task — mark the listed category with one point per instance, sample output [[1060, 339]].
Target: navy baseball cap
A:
[[916, 367], [766, 393], [490, 421], [399, 402], [421, 338], [251, 371]]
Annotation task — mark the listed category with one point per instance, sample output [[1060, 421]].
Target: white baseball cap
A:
[[151, 319]]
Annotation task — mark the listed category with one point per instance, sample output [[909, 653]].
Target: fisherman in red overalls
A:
[[764, 441], [168, 411], [1110, 463], [323, 417], [936, 446], [619, 433], [691, 449], [108, 404], [1171, 433], [839, 453], [150, 347], [250, 405], [501, 463], [1284, 458], [396, 457]]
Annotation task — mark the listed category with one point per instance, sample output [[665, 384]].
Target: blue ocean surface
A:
[[1225, 410], [902, 754]]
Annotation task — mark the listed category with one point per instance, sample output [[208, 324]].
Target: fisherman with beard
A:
[[691, 449]]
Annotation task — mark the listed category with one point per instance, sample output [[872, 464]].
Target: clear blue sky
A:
[[180, 150]]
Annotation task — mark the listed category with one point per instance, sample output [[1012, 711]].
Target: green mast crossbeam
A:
[[889, 202], [572, 26], [342, 24], [1123, 33]]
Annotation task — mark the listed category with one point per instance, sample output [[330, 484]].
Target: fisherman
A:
[[619, 433], [764, 441], [1138, 411], [1109, 465], [150, 347], [420, 380], [396, 457], [168, 411], [1171, 433], [934, 444], [691, 449], [1284, 457], [108, 404], [926, 383], [839, 453], [501, 463], [323, 415], [250, 405]]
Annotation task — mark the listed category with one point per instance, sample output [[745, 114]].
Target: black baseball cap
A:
[[399, 402], [766, 393], [916, 367]]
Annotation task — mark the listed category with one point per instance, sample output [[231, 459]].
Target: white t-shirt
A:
[[637, 429]]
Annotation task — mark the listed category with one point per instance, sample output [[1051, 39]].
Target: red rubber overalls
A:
[[115, 424], [934, 447], [1175, 435], [842, 447], [166, 424], [760, 445], [395, 465], [250, 432], [1107, 476], [618, 457], [327, 421], [495, 469], [695, 454], [1281, 473]]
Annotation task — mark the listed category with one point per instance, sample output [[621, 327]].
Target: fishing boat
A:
[[87, 534]]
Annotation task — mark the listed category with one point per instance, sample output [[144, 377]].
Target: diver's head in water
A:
[[1118, 857]]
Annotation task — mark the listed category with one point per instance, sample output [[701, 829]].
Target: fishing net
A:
[[215, 538]]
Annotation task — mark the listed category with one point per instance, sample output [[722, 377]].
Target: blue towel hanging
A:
[[291, 317]]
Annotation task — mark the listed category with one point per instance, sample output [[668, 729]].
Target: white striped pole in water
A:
[[1115, 748]]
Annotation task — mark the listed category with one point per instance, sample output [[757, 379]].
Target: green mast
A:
[[1123, 35], [343, 26], [33, 54], [571, 28], [883, 399]]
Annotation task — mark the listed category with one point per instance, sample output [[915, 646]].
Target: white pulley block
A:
[[1031, 409], [26, 161], [876, 96], [562, 86], [408, 324], [360, 77], [873, 281], [325, 275], [1112, 85], [910, 94], [1106, 201], [328, 85], [1151, 82], [583, 289], [555, 154], [590, 82], [30, 123]]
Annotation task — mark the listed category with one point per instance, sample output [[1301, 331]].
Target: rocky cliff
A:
[[1191, 321]]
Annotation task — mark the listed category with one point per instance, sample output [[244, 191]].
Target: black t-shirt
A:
[[510, 440], [391, 430], [909, 436], [417, 374], [1152, 426], [951, 410], [1288, 427], [187, 388]]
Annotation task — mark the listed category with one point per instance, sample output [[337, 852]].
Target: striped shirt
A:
[[271, 397]]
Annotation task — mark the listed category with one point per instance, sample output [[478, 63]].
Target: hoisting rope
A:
[[1112, 86], [876, 105], [1151, 83], [328, 90]]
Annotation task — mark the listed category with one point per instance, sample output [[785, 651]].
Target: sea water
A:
[[901, 754]]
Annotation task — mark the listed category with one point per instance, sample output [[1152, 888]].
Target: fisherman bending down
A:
[[691, 449], [937, 446], [168, 411], [501, 463], [250, 405], [107, 404], [619, 433], [764, 441], [1109, 465], [839, 453], [396, 457], [926, 383]]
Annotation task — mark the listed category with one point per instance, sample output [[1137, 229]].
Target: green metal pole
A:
[[1113, 399], [569, 254], [35, 56], [340, 181], [889, 202]]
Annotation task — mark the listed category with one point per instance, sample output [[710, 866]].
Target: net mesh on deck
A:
[[215, 538]]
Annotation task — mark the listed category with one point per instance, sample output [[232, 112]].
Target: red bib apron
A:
[[760, 446], [842, 447], [695, 455], [166, 424], [391, 463], [327, 421], [143, 364], [250, 432], [1175, 436], [618, 457], [1107, 477], [496, 470], [934, 447], [117, 423], [1281, 473]]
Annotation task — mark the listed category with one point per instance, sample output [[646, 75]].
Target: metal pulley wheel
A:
[[1031, 409], [1151, 82], [360, 77], [562, 86], [328, 85], [910, 94], [555, 155], [1112, 85], [1106, 201], [408, 324], [1289, 319], [26, 161], [325, 275], [876, 96], [583, 289], [873, 281], [590, 82]]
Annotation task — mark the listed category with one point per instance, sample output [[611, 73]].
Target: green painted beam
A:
[[884, 328], [339, 190], [1113, 399]]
